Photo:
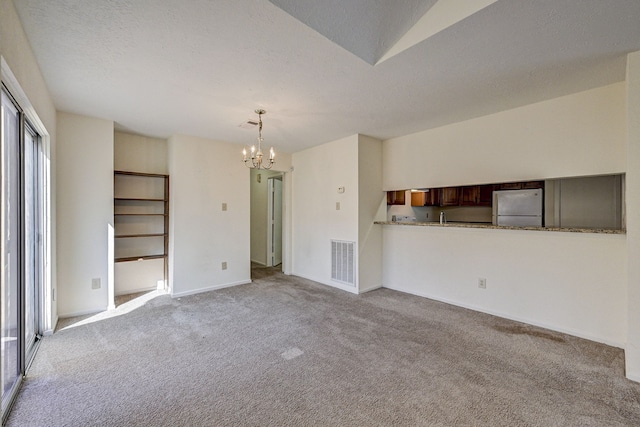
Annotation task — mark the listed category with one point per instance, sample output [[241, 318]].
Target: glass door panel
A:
[[10, 249], [32, 236]]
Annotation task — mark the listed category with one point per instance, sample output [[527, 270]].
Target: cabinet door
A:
[[430, 197], [395, 197], [469, 195], [433, 197], [511, 186], [450, 196], [419, 198], [533, 184], [485, 195]]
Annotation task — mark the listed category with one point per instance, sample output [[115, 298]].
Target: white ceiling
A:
[[323, 70]]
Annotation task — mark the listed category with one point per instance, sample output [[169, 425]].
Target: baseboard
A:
[[347, 288], [264, 264], [514, 318], [209, 288], [369, 289], [633, 377], [135, 291], [81, 313]]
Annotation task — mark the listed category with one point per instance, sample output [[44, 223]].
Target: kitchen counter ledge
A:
[[501, 227]]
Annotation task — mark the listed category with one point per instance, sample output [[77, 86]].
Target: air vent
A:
[[343, 262], [249, 124]]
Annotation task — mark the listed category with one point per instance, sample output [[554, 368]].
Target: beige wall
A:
[[201, 234], [85, 213], [574, 135], [569, 282], [354, 163], [138, 153], [21, 74], [372, 203], [633, 216], [318, 173]]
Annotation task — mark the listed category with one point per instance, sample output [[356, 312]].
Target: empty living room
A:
[[320, 213]]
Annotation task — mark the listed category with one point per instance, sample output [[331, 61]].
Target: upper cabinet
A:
[[468, 195], [430, 197], [395, 197], [477, 195], [521, 185], [450, 196]]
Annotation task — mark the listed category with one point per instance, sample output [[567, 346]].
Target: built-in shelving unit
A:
[[141, 217]]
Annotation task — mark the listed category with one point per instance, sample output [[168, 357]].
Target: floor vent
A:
[[343, 262]]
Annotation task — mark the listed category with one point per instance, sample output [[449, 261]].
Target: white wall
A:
[[354, 163], [569, 282], [201, 234], [574, 135], [372, 205], [85, 212], [564, 281], [633, 215], [136, 153], [318, 173], [36, 100]]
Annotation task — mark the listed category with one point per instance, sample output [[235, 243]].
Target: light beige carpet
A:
[[284, 351]]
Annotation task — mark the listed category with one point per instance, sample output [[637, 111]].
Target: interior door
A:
[[274, 235]]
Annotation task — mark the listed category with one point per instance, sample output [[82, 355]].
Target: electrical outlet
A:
[[95, 283], [337, 206], [482, 283], [224, 265]]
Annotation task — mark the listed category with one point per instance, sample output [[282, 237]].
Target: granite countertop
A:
[[500, 227]]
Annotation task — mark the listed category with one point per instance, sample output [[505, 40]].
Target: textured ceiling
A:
[[201, 67], [366, 28]]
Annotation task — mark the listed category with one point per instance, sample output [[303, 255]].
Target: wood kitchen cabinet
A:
[[477, 195], [485, 196], [450, 196], [520, 185], [469, 195], [395, 197], [430, 197], [533, 184]]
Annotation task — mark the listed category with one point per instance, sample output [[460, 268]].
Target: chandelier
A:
[[254, 159]]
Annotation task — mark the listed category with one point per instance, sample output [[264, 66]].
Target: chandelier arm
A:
[[257, 156]]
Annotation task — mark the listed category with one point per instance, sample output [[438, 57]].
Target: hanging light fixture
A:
[[255, 158]]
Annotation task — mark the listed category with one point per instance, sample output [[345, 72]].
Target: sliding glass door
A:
[[10, 261], [21, 224], [33, 236]]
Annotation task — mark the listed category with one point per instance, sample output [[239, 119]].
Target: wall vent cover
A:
[[343, 262]]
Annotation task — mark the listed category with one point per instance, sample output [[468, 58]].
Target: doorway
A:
[[266, 219], [274, 221]]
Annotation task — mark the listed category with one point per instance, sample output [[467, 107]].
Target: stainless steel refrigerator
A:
[[520, 208]]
